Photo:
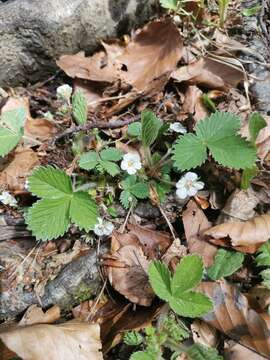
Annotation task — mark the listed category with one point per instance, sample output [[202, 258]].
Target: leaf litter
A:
[[157, 68]]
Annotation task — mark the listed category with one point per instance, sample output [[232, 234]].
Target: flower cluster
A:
[[131, 163], [188, 185], [103, 228], [7, 199]]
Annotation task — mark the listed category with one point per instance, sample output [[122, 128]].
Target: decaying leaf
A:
[[195, 222], [233, 316], [14, 176], [193, 105], [235, 351], [211, 73], [174, 253], [204, 333], [35, 315], [71, 340], [251, 233]]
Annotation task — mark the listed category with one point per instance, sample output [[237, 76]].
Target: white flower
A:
[[188, 185], [26, 184], [7, 199], [131, 163], [178, 127], [103, 228], [64, 93]]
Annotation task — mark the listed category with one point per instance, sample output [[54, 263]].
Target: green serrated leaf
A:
[[225, 264], [110, 167], [169, 4], [133, 338], [265, 274], [129, 181], [14, 119], [142, 355], [191, 304], [50, 182], [247, 175], [135, 129], [263, 257], [202, 352], [79, 107], [89, 160], [256, 124], [83, 211], [160, 279], [49, 218], [150, 127], [126, 199], [188, 274], [140, 190], [111, 154], [189, 152]]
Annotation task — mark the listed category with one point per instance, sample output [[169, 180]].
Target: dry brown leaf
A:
[[251, 233], [233, 316], [204, 334], [193, 105], [195, 222], [13, 177], [154, 242], [154, 51], [211, 73], [71, 340], [174, 253], [235, 351], [259, 296], [35, 315]]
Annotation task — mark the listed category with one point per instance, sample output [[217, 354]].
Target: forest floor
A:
[[132, 177]]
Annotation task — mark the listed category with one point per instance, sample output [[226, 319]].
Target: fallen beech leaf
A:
[[35, 315], [174, 253], [195, 222], [71, 340], [235, 351], [253, 232], [211, 73], [204, 334], [154, 242], [14, 176], [154, 51], [193, 104], [233, 316]]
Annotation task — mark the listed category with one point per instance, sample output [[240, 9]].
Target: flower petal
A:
[[191, 176], [182, 193]]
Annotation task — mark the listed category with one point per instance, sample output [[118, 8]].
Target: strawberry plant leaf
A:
[[256, 124], [111, 154], [225, 264], [202, 352], [89, 160], [160, 279], [142, 355], [247, 175], [169, 4], [49, 218], [191, 304], [135, 130], [140, 190], [9, 140], [126, 198], [79, 107], [188, 274], [83, 211], [150, 127], [110, 167], [263, 257], [50, 182]]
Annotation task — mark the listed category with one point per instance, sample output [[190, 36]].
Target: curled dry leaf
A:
[[14, 176], [174, 253], [233, 316], [35, 315], [193, 104], [71, 340], [195, 222], [211, 73], [251, 233], [204, 333]]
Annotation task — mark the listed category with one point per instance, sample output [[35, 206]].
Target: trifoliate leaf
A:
[[89, 160], [126, 199], [256, 124], [191, 304], [142, 355], [160, 279], [169, 4], [11, 129], [135, 129], [247, 175], [49, 218], [225, 264], [150, 127], [263, 257], [83, 211], [218, 133], [79, 107], [111, 154], [189, 152], [188, 274], [110, 167], [50, 183], [202, 352], [133, 338]]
